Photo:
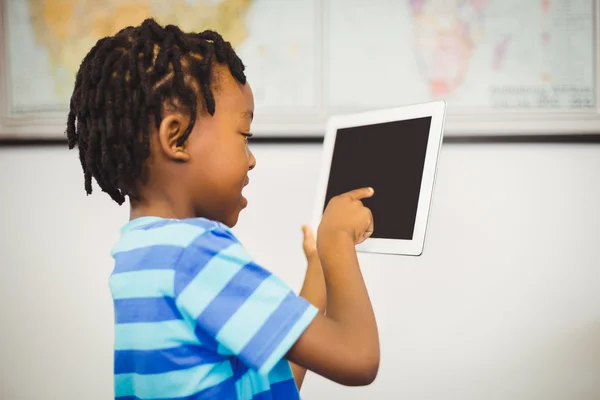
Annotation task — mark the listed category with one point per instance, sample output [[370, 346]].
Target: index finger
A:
[[361, 193]]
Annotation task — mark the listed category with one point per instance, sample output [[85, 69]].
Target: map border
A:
[[281, 126]]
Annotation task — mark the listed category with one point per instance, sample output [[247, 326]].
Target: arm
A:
[[344, 345], [253, 315], [239, 308], [313, 289]]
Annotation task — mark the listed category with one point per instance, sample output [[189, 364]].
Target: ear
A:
[[171, 128]]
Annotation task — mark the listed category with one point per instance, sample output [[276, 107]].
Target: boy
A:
[[163, 117]]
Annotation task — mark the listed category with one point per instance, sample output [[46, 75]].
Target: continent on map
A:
[[500, 49], [68, 29], [446, 32]]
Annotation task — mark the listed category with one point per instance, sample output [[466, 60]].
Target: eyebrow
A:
[[248, 114]]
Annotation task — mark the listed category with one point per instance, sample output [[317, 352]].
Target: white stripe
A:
[[209, 282], [176, 234], [252, 314], [172, 384], [281, 372], [250, 384], [154, 335]]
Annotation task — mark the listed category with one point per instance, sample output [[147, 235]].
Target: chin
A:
[[232, 219], [232, 222]]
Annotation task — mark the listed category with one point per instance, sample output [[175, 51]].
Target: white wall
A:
[[504, 303]]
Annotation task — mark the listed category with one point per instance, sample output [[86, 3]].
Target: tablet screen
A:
[[390, 158]]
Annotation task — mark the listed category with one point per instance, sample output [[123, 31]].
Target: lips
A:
[[244, 200]]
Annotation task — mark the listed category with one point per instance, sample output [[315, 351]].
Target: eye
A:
[[247, 135]]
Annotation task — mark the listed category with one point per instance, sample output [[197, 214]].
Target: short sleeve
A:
[[244, 307]]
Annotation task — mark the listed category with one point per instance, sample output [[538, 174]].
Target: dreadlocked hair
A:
[[122, 85]]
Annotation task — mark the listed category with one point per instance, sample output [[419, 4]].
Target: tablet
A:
[[394, 151]]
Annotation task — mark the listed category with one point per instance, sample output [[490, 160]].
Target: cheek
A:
[[226, 166]]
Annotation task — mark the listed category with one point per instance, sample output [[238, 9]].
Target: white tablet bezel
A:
[[437, 111]]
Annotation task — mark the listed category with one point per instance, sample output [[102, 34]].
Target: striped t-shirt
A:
[[196, 318]]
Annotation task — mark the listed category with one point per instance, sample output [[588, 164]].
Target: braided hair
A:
[[123, 84]]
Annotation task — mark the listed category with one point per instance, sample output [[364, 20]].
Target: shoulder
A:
[[173, 243], [210, 240], [168, 232], [192, 248]]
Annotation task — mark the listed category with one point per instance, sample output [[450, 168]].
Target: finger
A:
[[369, 231], [309, 236], [366, 234], [362, 238], [309, 244], [362, 193]]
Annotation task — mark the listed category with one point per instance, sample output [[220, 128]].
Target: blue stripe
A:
[[246, 387], [273, 331], [213, 275], [239, 369], [199, 254], [208, 341], [154, 335], [224, 350], [224, 390], [175, 234], [281, 390], [282, 371], [146, 309], [231, 298], [252, 315], [290, 338], [145, 362], [173, 384], [147, 258], [250, 385], [146, 283]]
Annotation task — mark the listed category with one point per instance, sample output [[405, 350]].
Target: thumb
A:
[[309, 244], [308, 233]]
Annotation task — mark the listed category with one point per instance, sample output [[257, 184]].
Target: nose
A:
[[252, 161]]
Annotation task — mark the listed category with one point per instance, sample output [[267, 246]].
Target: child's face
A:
[[205, 176], [219, 155]]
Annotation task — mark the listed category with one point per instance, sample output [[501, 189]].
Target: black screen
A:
[[389, 157]]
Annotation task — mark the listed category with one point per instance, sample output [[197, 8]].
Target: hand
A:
[[309, 244], [342, 341], [313, 289], [347, 214]]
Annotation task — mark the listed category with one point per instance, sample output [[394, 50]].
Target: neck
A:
[[164, 208]]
